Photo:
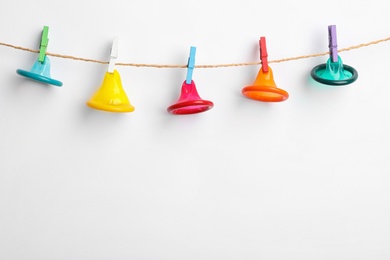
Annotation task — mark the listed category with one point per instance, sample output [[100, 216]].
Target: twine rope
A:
[[207, 66]]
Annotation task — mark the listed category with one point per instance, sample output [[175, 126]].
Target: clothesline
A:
[[206, 66]]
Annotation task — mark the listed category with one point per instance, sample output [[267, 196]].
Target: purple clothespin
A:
[[333, 43]]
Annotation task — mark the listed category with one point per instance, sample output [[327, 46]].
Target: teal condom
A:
[[334, 73], [40, 72]]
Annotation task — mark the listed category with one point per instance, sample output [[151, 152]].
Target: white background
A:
[[304, 179]]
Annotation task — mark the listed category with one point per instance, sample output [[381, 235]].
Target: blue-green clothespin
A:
[[40, 71]]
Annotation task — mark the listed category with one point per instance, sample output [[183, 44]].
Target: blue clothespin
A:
[[191, 65], [333, 42], [40, 71]]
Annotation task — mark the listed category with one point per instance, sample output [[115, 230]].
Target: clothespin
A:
[[333, 43], [44, 43], [191, 65], [263, 54], [113, 55]]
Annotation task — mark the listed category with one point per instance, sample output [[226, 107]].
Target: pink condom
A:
[[189, 102]]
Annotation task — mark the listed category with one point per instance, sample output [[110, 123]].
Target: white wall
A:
[[304, 179]]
